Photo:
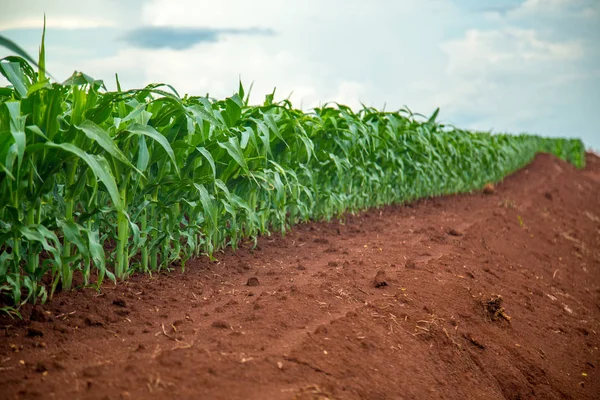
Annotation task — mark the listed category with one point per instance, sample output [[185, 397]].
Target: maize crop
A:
[[96, 185]]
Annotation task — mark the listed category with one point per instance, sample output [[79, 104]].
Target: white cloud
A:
[[591, 12], [69, 14], [556, 8], [529, 69], [58, 22], [510, 48], [348, 51], [537, 6], [350, 93], [519, 95], [216, 14]]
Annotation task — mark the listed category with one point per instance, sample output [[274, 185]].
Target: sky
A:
[[503, 66]]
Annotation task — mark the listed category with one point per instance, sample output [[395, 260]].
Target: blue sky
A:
[[507, 65]]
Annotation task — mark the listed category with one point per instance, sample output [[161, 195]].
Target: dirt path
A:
[[316, 327]]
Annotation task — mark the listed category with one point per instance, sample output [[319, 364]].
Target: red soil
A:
[[397, 303]]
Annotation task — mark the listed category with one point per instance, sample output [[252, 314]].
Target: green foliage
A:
[[99, 184]]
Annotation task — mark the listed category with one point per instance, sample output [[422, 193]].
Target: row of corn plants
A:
[[96, 185]]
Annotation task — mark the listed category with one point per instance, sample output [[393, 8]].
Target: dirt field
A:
[[398, 303]]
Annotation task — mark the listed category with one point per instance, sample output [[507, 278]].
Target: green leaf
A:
[[41, 234], [17, 130], [241, 89], [99, 167], [79, 78], [209, 158], [100, 136], [149, 131], [13, 73], [270, 121], [234, 110], [97, 254], [235, 151], [42, 56], [72, 233], [143, 154], [246, 134], [433, 117], [207, 204], [38, 86]]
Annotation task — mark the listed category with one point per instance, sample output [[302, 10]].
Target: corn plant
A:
[[97, 184]]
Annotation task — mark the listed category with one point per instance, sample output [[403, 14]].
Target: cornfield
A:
[[97, 185]]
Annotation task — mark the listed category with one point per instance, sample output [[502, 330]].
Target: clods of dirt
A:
[[252, 281], [489, 189], [57, 365], [220, 324], [38, 314], [119, 303], [380, 279], [243, 267], [453, 232], [31, 332], [93, 320], [41, 367], [473, 341], [494, 309], [122, 312]]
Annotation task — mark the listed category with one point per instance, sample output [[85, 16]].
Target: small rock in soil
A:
[[243, 266], [474, 341], [321, 330], [410, 264], [454, 232], [40, 367], [122, 313], [92, 320], [332, 264], [92, 372], [37, 314], [120, 303], [301, 268], [57, 365], [253, 281], [220, 324], [380, 279], [489, 189], [34, 332]]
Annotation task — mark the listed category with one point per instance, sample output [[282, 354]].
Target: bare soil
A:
[[489, 295]]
